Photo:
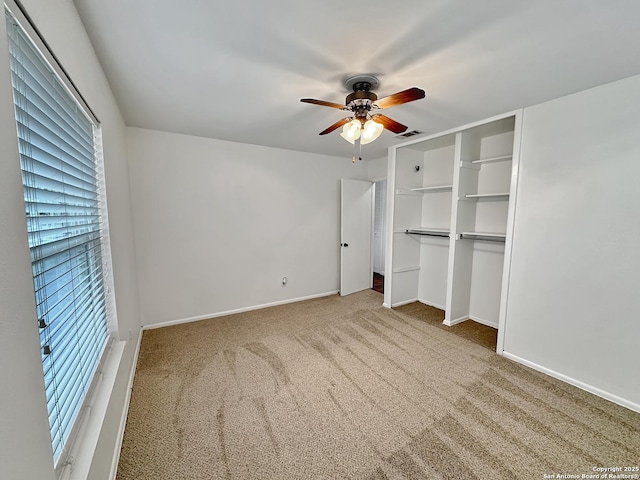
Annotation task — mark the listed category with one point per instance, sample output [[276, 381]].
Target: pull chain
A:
[[353, 158]]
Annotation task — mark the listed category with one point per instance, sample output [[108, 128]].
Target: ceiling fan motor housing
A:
[[361, 100]]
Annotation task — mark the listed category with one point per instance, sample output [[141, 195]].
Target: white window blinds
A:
[[58, 159]]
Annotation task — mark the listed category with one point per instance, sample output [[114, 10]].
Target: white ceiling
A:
[[236, 70]]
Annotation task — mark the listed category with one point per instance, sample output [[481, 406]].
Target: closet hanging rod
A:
[[428, 233], [484, 237]]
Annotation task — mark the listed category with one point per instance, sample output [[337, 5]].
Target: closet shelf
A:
[[433, 189], [488, 196], [490, 236], [431, 232], [504, 158]]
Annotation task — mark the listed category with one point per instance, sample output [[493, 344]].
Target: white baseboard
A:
[[237, 310], [455, 321], [576, 383], [425, 302], [125, 411], [404, 302], [488, 323], [431, 304]]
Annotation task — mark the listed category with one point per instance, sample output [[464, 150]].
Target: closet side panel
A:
[[461, 257], [436, 213]]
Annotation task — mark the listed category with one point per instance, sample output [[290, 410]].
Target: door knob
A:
[[344, 244]]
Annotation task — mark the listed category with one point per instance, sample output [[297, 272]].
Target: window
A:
[[59, 153]]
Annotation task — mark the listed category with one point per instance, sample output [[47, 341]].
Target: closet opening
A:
[[451, 225]]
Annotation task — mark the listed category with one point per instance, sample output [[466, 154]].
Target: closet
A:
[[451, 206]]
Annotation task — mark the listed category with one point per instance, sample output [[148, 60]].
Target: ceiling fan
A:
[[364, 124]]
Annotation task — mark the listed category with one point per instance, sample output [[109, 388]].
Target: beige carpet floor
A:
[[342, 388]]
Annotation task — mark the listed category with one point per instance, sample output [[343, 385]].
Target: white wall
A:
[[218, 224], [575, 272], [377, 168], [25, 451]]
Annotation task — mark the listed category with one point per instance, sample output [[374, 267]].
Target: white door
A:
[[356, 221]]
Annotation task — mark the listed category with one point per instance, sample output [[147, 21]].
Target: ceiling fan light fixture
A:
[[371, 131], [351, 130], [363, 126]]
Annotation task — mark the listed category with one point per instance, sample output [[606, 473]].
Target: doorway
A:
[[379, 233]]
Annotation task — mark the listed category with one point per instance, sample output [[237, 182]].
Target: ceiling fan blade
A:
[[323, 103], [338, 124], [405, 96], [389, 123]]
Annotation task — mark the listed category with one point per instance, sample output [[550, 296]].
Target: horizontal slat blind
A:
[[58, 159]]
